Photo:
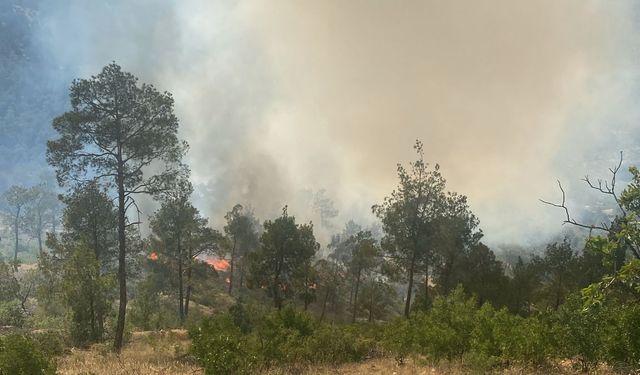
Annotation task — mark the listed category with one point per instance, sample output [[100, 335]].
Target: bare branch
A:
[[569, 219]]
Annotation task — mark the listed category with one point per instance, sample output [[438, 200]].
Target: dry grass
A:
[[147, 353], [165, 353]]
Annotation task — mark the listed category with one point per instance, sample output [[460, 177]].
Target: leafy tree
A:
[[180, 235], [40, 211], [21, 355], [558, 270], [90, 218], [87, 292], [285, 250], [116, 131], [524, 282], [330, 278], [377, 299], [365, 256], [484, 276], [17, 199], [410, 217], [9, 286], [241, 230], [89, 223], [454, 241], [324, 206]]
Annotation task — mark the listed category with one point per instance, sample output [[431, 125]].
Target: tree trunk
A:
[[16, 225], [122, 259], [180, 292], [426, 284], [371, 305], [187, 297], [324, 304], [277, 302], [180, 284], [233, 258], [355, 296], [407, 306], [39, 233], [241, 274]]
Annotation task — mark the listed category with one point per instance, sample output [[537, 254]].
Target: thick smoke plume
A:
[[279, 99]]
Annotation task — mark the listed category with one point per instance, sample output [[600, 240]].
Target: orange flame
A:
[[219, 264], [153, 256]]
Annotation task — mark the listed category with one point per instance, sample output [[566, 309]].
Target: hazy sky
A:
[[279, 99]]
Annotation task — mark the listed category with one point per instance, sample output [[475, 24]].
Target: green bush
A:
[[621, 336], [52, 343], [531, 341], [11, 314], [445, 331], [335, 344], [221, 348], [397, 338], [579, 332], [490, 337], [21, 355]]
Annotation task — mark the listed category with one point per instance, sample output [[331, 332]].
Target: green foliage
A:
[[455, 328], [88, 294], [146, 312], [282, 338], [21, 355], [445, 332], [579, 332], [491, 336], [425, 226], [282, 261], [9, 286], [622, 334], [51, 342], [115, 130], [12, 314], [221, 348]]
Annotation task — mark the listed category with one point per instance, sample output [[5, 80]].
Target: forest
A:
[[85, 273]]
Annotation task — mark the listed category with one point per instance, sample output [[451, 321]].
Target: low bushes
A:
[[454, 329], [22, 355], [237, 344]]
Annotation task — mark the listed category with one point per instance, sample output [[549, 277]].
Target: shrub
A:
[[52, 343], [621, 336], [397, 338], [531, 341], [11, 314], [445, 331], [490, 337], [335, 344], [20, 355], [579, 332], [221, 348]]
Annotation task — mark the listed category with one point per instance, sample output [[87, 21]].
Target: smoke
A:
[[280, 99]]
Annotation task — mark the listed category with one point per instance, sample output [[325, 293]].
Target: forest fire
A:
[[219, 264], [153, 256]]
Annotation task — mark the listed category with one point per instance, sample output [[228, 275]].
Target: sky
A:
[[280, 99]]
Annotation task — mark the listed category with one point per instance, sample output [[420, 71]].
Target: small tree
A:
[[87, 293], [241, 230], [180, 234], [43, 202], [17, 198], [410, 216], [286, 247]]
